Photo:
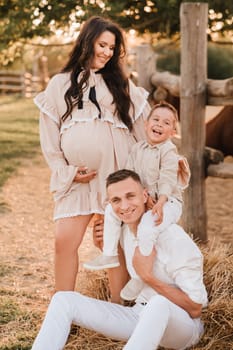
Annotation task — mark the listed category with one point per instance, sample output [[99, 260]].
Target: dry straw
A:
[[218, 317]]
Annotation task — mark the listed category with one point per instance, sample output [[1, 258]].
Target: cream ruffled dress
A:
[[100, 142]]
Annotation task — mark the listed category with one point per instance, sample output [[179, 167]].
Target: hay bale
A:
[[217, 317]]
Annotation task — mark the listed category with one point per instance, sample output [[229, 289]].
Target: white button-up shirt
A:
[[178, 262]]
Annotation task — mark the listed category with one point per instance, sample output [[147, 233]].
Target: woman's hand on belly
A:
[[84, 175]]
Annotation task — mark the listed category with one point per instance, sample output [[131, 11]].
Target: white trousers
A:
[[160, 322], [147, 230]]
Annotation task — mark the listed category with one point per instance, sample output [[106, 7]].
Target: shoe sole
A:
[[127, 298], [97, 268]]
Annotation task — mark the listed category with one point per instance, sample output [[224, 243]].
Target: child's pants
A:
[[147, 229], [148, 232], [145, 327]]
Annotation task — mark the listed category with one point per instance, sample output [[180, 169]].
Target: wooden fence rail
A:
[[219, 92], [19, 82]]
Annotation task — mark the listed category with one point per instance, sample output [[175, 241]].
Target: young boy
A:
[[164, 174]]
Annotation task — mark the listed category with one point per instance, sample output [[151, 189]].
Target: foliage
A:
[[28, 18], [23, 20], [220, 60], [18, 133], [168, 57]]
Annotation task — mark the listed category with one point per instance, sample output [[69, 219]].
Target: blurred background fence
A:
[[20, 82]]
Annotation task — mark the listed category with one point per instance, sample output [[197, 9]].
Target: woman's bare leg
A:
[[69, 234]]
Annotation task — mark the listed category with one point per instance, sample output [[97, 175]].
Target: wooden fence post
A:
[[194, 20], [145, 65]]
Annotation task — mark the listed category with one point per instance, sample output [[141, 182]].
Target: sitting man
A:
[[168, 309]]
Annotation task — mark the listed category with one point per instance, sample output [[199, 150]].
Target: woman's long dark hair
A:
[[113, 74]]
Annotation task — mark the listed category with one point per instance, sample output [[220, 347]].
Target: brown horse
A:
[[219, 131]]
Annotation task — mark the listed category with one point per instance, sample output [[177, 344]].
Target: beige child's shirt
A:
[[157, 167]]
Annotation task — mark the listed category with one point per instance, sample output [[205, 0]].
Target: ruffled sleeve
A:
[[51, 100], [140, 111], [139, 98], [62, 175], [52, 107]]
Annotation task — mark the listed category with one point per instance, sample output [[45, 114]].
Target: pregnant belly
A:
[[88, 144]]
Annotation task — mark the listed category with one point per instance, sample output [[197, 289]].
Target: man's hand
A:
[[84, 175], [98, 230], [144, 264]]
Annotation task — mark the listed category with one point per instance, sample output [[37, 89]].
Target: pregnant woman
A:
[[90, 116]]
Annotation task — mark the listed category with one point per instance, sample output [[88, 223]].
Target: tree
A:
[[23, 20]]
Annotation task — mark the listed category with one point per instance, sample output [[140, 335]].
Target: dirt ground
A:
[[26, 230]]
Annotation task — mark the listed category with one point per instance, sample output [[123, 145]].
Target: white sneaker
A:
[[132, 289], [102, 262]]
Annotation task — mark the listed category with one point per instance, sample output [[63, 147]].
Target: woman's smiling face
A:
[[103, 50]]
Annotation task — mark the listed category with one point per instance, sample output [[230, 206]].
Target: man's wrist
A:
[[149, 279]]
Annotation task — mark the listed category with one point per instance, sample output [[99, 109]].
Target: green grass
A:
[[15, 316], [19, 140], [19, 133]]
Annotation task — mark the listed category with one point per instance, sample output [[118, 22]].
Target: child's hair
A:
[[121, 175], [167, 105]]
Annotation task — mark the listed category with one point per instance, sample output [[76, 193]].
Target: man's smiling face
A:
[[128, 199]]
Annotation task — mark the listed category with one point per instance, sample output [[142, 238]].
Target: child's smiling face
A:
[[160, 126]]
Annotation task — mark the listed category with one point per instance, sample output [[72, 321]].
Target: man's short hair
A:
[[121, 175]]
